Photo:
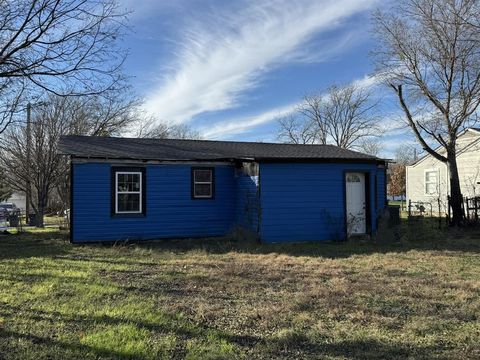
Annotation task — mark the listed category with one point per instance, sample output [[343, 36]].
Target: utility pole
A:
[[29, 146]]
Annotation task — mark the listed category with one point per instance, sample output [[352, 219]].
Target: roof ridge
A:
[[205, 140], [116, 146]]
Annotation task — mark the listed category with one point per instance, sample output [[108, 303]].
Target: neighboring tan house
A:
[[428, 179]]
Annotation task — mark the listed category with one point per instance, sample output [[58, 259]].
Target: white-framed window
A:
[[431, 182], [353, 178], [203, 183], [128, 192]]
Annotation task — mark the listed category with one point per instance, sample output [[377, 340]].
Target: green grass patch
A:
[[397, 202], [128, 341], [417, 297]]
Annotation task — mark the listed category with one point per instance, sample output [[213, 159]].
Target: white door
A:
[[356, 209]]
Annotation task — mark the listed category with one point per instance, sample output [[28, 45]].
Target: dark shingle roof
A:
[[178, 150]]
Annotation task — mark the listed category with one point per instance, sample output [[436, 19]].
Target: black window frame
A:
[[143, 191], [192, 183]]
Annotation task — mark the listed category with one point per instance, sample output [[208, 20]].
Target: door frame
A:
[[368, 207]]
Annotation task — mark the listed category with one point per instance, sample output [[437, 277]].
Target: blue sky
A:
[[229, 69]]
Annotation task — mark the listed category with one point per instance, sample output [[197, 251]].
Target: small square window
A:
[[203, 184], [203, 190], [203, 175]]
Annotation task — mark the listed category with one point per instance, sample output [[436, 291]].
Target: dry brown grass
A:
[[222, 299]]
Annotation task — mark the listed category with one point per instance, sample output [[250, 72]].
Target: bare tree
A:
[[66, 47], [405, 154], [11, 95], [5, 189], [371, 146], [107, 114], [150, 127], [42, 171], [183, 131], [429, 53], [100, 115], [343, 116], [296, 131], [311, 110], [350, 115]]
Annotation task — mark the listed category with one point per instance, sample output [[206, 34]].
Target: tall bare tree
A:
[[350, 115], [46, 171], [41, 171], [101, 115], [312, 113], [66, 47], [297, 131], [107, 114], [150, 127], [5, 189], [343, 116], [428, 51], [371, 146]]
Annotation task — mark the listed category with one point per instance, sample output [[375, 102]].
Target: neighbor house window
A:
[[128, 191], [431, 182], [203, 183]]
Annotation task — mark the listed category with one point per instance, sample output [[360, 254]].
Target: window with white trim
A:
[[353, 178], [431, 182], [203, 184], [128, 192]]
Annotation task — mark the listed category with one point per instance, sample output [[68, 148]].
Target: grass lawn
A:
[[212, 299], [396, 202], [403, 204]]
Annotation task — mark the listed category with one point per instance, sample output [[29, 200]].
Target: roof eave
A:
[[320, 160], [124, 158], [235, 159]]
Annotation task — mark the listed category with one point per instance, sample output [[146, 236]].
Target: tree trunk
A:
[[39, 217], [456, 198], [40, 210]]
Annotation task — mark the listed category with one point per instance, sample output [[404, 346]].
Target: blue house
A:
[[139, 189]]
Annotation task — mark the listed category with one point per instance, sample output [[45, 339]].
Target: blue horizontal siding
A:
[[295, 202], [381, 188], [247, 202], [170, 211], [305, 202]]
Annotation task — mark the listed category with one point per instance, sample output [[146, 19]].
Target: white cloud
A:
[[367, 82], [223, 55], [245, 124]]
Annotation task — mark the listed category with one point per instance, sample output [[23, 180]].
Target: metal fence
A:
[[19, 221], [421, 210], [470, 207]]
